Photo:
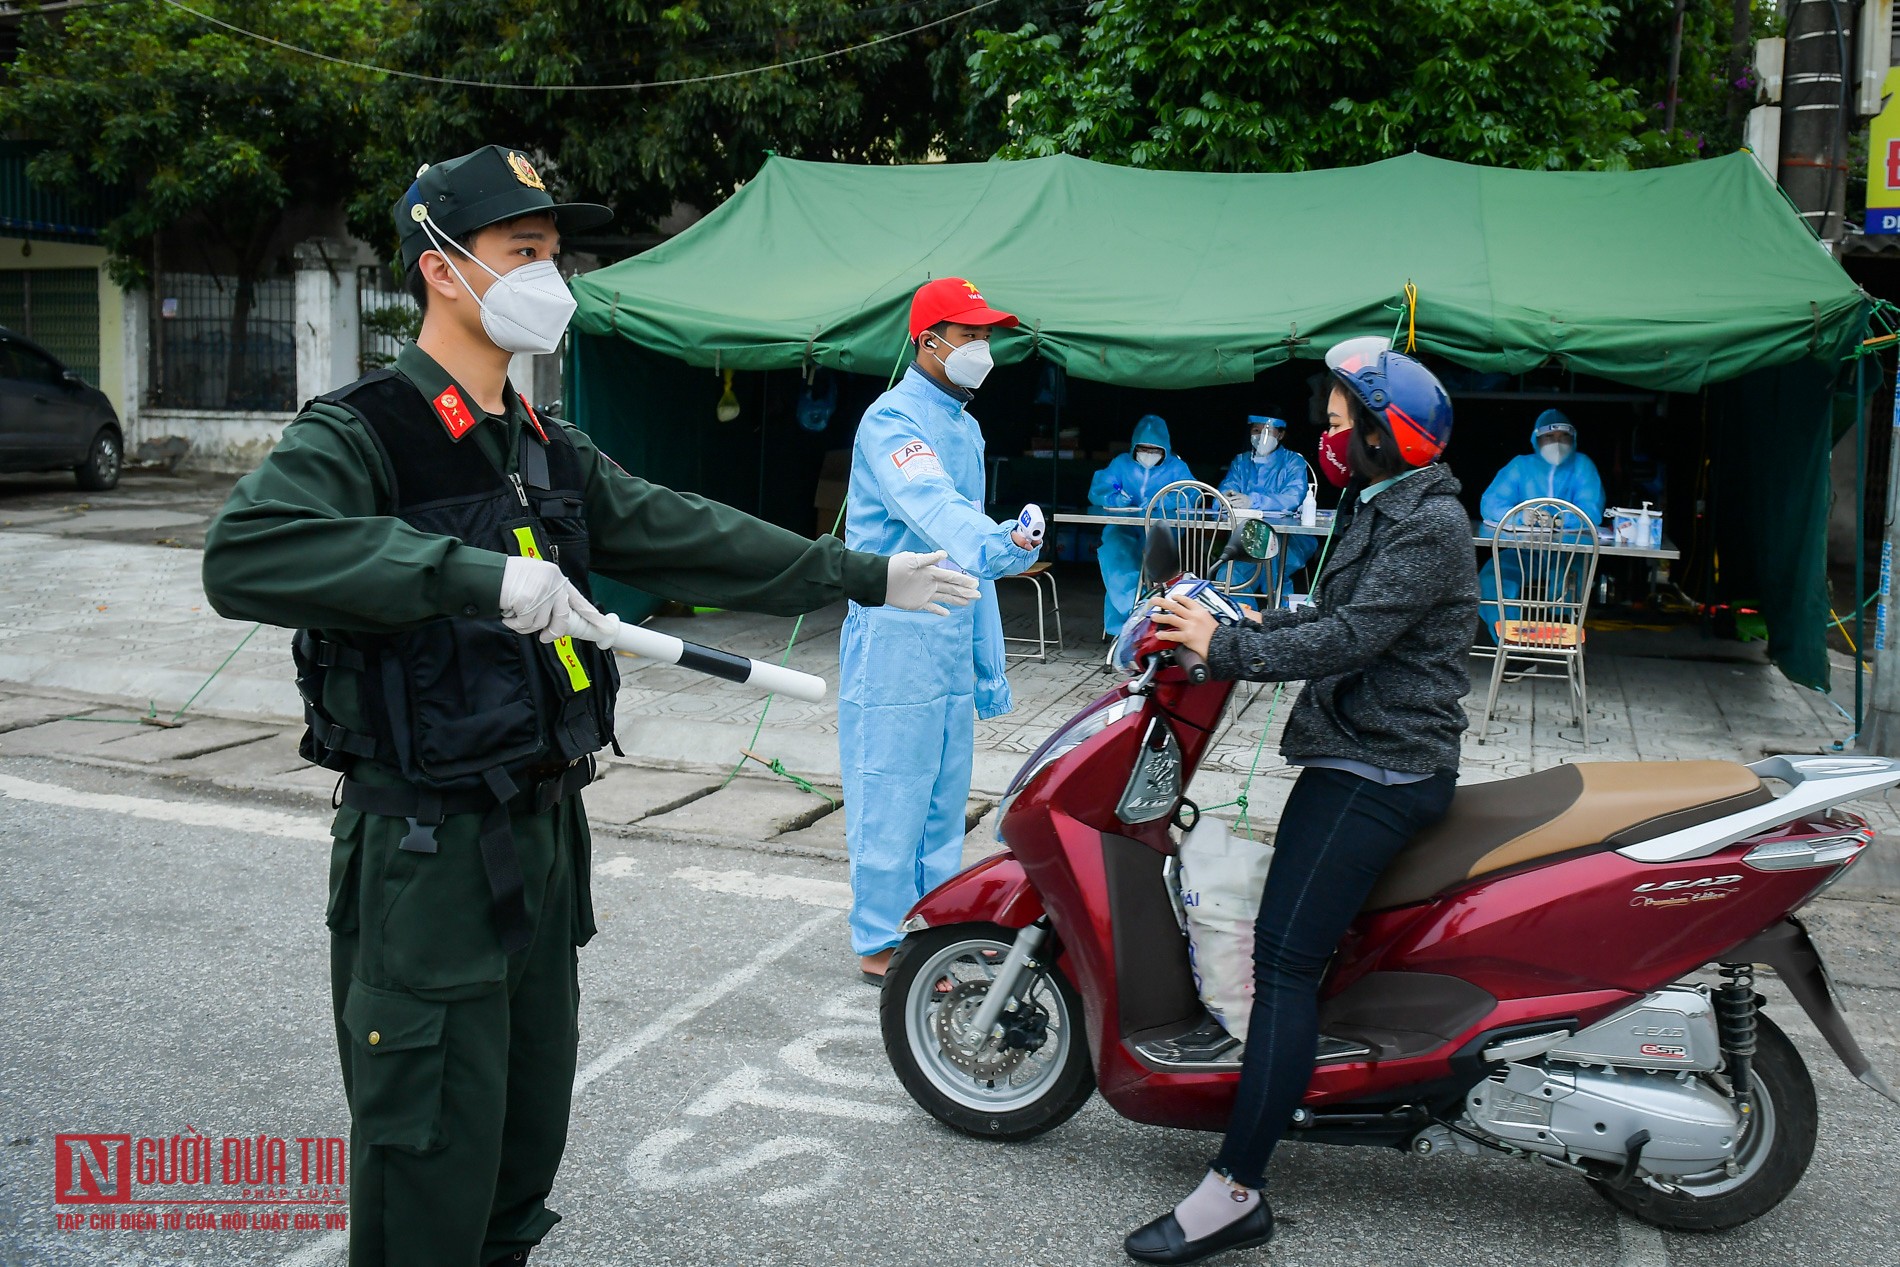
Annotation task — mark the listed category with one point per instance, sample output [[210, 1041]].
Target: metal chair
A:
[[1200, 518], [1037, 574], [1551, 545]]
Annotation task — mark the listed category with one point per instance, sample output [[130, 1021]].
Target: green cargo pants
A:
[[458, 1060]]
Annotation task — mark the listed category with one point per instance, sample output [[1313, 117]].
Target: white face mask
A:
[[1266, 442], [526, 310], [968, 364], [1147, 457], [1555, 452]]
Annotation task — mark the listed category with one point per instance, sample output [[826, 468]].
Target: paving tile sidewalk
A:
[[104, 629]]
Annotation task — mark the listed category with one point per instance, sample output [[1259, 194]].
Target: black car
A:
[[51, 419]]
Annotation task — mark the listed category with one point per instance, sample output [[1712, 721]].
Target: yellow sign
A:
[[1883, 162], [563, 647]]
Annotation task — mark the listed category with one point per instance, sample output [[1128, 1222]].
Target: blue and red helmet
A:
[[1398, 391]]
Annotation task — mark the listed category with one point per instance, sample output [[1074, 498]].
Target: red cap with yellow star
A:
[[952, 299]]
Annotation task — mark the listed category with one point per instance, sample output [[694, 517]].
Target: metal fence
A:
[[387, 316], [207, 354], [57, 308]]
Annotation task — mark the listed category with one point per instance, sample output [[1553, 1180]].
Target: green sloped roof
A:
[[1671, 278]]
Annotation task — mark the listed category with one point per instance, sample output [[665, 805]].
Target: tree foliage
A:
[[193, 122], [645, 150], [1270, 85]]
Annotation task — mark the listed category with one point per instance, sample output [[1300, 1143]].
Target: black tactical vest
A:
[[455, 702]]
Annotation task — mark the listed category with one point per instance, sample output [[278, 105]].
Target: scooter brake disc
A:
[[983, 1060]]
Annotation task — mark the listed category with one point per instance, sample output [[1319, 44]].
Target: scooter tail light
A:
[[1819, 851]]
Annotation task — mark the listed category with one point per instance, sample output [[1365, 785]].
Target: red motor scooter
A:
[[1522, 981]]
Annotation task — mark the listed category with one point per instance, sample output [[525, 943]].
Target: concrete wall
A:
[[17, 253], [221, 439]]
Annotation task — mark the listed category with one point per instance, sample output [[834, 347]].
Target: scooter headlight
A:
[[1083, 727]]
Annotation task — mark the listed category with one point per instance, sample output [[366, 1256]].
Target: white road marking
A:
[[747, 1086], [832, 894], [256, 822], [1639, 1244], [646, 1166], [618, 868], [326, 1250], [801, 1057], [693, 1005]]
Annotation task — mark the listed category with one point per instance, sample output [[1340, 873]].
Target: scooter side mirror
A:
[[1162, 558]]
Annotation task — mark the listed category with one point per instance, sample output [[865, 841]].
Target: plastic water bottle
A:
[[1309, 510]]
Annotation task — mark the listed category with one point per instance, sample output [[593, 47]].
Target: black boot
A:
[[1162, 1241]]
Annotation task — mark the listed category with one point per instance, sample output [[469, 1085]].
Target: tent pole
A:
[[1055, 466], [1860, 541], [1882, 732]]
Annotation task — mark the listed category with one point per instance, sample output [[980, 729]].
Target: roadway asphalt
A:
[[163, 969]]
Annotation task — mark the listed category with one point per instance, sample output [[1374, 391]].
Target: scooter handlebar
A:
[[1192, 664]]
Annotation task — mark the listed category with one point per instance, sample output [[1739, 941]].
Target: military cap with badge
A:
[[526, 309]]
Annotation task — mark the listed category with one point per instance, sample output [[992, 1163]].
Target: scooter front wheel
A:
[[1029, 1080]]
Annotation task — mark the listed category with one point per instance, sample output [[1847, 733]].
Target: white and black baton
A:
[[650, 644]]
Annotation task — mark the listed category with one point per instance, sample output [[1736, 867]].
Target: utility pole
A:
[[1815, 102]]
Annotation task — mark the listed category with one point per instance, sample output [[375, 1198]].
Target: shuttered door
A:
[[57, 308]]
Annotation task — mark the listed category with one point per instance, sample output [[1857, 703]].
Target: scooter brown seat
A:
[[1564, 810]]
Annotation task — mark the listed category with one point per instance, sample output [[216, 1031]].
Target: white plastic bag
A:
[[1222, 878]]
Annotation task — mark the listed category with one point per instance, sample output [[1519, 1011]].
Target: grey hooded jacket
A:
[[1384, 649]]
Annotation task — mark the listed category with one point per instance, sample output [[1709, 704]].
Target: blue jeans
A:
[[1337, 834]]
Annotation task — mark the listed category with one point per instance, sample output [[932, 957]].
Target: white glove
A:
[[594, 625], [571, 613], [1029, 527], [915, 583], [529, 591], [1242, 501]]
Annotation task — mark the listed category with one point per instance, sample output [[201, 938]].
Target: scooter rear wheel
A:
[[1030, 1082], [1774, 1154]]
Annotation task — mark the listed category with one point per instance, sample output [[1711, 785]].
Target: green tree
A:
[[197, 124], [1269, 85], [644, 150]]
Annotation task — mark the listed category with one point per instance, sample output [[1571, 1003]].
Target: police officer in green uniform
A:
[[430, 537]]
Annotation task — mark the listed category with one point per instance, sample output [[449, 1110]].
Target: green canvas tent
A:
[[1673, 279]]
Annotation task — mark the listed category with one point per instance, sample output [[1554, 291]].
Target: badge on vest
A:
[[454, 412]]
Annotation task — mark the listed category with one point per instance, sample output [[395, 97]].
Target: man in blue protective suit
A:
[[1126, 483], [1553, 468], [1270, 477], [910, 690]]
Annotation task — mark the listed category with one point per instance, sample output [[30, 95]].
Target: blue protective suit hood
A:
[[1551, 418], [1152, 429]]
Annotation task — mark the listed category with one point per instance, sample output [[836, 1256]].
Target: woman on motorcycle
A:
[[1376, 731]]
